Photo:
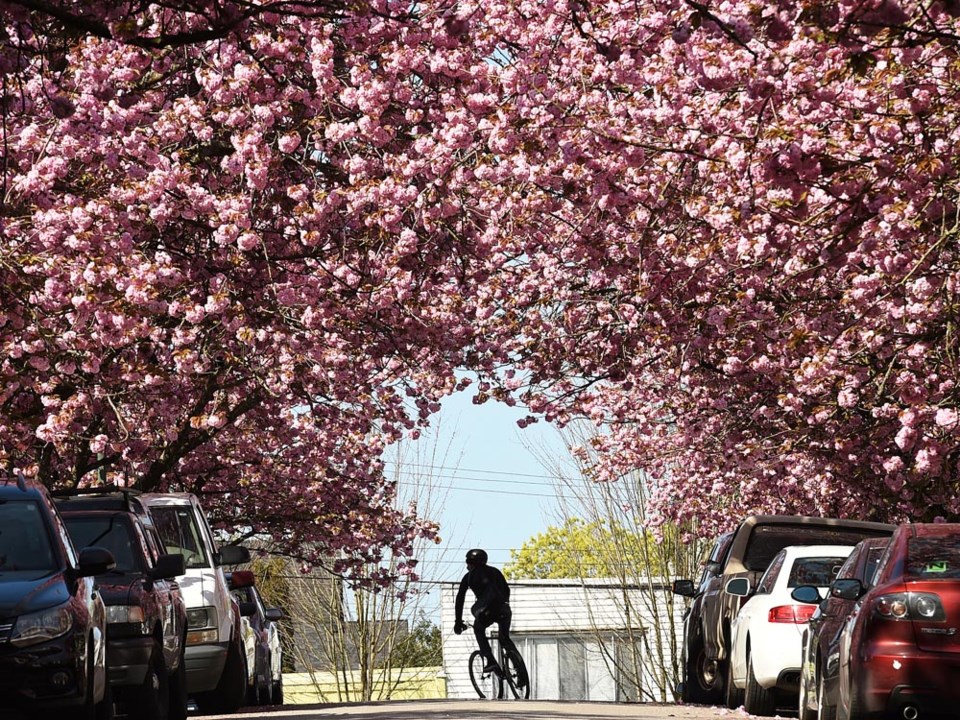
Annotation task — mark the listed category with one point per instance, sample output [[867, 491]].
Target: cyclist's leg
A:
[[506, 642], [480, 626], [504, 618]]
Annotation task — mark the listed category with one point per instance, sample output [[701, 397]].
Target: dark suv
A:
[[146, 615], [53, 625], [745, 552]]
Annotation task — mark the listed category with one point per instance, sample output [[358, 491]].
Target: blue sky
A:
[[490, 486]]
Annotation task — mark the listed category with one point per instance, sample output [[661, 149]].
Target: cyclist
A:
[[492, 606]]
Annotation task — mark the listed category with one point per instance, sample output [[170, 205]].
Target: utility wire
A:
[[457, 469]]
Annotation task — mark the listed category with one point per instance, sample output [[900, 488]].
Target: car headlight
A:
[[42, 626], [202, 626], [124, 614], [204, 617], [128, 615]]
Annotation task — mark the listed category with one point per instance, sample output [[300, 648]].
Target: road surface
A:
[[485, 709]]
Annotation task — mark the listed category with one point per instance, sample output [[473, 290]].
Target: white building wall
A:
[[544, 609]]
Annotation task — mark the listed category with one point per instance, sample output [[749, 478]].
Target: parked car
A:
[[900, 648], [146, 614], [216, 668], [746, 552], [53, 623], [264, 656], [766, 634], [821, 639]]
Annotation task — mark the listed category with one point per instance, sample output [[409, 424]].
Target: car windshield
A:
[[933, 558], [111, 532], [25, 549], [819, 571], [767, 540], [180, 533]]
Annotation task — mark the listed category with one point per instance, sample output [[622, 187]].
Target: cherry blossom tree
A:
[[247, 244], [733, 232]]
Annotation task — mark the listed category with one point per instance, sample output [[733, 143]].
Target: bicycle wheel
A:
[[487, 684], [516, 675]]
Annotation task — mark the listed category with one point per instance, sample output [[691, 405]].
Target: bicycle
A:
[[490, 684]]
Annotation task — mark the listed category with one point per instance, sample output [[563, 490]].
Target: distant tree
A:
[[580, 549], [421, 647]]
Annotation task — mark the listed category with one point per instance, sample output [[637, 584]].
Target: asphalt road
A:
[[480, 709]]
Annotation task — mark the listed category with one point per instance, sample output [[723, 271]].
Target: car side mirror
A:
[[807, 594], [847, 589], [274, 614], [168, 567], [738, 586], [684, 587], [248, 608], [232, 555], [95, 560]]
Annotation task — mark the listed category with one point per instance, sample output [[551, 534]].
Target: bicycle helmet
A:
[[476, 557]]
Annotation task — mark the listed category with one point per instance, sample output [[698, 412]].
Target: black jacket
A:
[[490, 588]]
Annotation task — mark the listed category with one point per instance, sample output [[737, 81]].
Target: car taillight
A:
[[910, 606], [791, 613]]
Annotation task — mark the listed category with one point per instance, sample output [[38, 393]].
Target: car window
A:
[[933, 558], [849, 567], [818, 571], [873, 561], [180, 533], [767, 540], [769, 578], [25, 548], [111, 532], [719, 553]]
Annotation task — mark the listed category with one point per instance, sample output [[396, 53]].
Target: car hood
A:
[[19, 595]]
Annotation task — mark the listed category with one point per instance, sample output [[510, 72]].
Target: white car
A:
[[766, 635], [215, 658], [262, 639]]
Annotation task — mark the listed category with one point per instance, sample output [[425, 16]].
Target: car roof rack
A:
[[113, 497]]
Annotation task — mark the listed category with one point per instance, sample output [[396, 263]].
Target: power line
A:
[[476, 479], [457, 469], [498, 492]]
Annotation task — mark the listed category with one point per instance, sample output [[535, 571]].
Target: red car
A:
[[900, 649]]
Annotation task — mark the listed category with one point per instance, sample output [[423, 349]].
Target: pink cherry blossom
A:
[[725, 240]]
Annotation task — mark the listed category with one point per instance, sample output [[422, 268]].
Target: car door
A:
[[753, 612]]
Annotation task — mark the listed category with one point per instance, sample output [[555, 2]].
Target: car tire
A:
[[151, 700], [825, 711], [733, 695], [701, 684], [853, 712], [231, 691], [758, 699], [266, 692], [93, 710], [804, 711], [178, 688], [278, 691]]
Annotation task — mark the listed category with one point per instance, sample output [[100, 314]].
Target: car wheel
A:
[[805, 713], [266, 692], [734, 696], [93, 710], [703, 676], [825, 711], [758, 700], [151, 700], [232, 688], [178, 689]]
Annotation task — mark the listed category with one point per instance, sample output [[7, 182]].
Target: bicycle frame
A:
[[491, 684]]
